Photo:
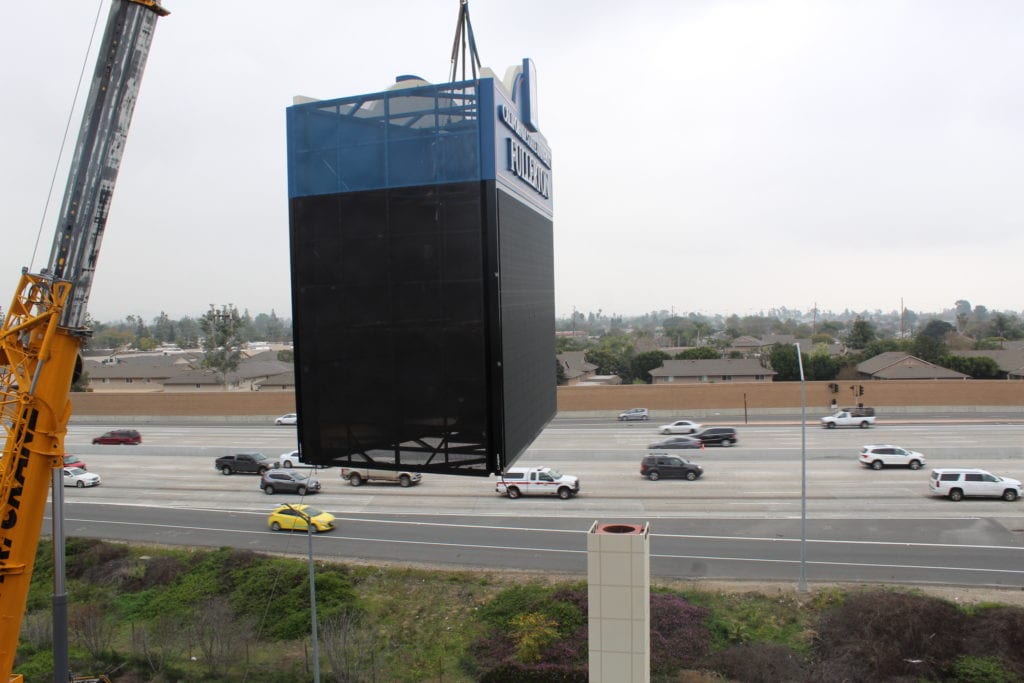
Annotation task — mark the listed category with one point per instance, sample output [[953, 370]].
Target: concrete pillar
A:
[[619, 603]]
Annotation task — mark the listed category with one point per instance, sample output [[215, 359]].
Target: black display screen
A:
[[424, 327]]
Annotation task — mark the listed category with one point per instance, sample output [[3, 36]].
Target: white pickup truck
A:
[[525, 481], [356, 476], [850, 417]]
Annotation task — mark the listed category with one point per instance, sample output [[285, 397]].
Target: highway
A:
[[741, 521]]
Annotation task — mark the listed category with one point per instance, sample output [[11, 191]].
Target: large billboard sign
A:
[[422, 275]]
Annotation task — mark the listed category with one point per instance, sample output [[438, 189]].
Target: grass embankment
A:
[[149, 614]]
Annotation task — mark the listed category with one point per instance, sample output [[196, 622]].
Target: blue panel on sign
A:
[[404, 137]]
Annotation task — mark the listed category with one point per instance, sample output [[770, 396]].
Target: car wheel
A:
[[915, 464], [225, 470], [956, 495], [275, 526], [831, 425], [355, 480], [269, 490], [513, 492], [301, 490], [726, 442], [653, 475], [404, 481], [864, 424], [564, 493], [261, 471], [80, 484], [876, 465], [665, 431], [1009, 495], [690, 476], [644, 418], [287, 463]]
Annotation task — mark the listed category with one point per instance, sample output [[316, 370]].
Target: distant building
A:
[[711, 371]]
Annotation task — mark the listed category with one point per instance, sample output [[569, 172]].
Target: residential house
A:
[[713, 370], [575, 368], [901, 365]]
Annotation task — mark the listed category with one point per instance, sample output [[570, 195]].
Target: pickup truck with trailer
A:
[[526, 481], [356, 476], [850, 417]]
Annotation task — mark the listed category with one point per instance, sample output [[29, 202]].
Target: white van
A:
[[959, 483]]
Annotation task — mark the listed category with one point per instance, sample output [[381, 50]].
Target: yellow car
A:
[[294, 517]]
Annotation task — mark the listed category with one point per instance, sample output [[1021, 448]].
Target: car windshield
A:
[[555, 474], [299, 476], [74, 471], [312, 512]]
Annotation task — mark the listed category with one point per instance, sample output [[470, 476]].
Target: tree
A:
[[222, 342], [861, 334], [979, 367], [699, 353], [820, 366], [645, 362], [929, 344], [613, 355], [564, 344], [784, 362]]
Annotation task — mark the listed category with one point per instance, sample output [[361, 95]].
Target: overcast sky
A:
[[709, 156]]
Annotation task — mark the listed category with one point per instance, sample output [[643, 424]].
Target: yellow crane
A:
[[44, 328]]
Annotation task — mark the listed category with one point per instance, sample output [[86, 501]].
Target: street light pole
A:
[[312, 593], [802, 587]]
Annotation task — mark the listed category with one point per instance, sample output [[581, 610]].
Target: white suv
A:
[[960, 483], [878, 456]]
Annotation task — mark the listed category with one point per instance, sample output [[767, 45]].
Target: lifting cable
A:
[[464, 36], [67, 129]]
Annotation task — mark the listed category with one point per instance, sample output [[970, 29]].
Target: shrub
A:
[[679, 635], [968, 669], [997, 630], [880, 634], [758, 663], [542, 673]]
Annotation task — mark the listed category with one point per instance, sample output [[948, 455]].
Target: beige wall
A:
[[678, 397]]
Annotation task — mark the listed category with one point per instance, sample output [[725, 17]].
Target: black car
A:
[[252, 462], [678, 442], [717, 436], [655, 467], [288, 481]]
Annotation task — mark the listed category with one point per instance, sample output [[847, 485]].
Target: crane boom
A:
[[44, 328]]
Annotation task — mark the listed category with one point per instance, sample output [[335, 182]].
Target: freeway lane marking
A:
[[870, 565], [486, 527]]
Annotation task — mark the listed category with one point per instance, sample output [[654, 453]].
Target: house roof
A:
[[574, 364], [900, 365], [713, 367], [746, 341]]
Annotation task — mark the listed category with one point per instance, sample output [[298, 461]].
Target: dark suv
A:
[[119, 436], [654, 467], [717, 436], [288, 481], [253, 462]]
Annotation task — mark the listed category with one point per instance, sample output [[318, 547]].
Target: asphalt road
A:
[[741, 521]]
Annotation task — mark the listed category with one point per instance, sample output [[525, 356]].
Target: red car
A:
[[119, 436], [74, 461]]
